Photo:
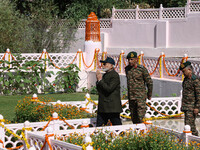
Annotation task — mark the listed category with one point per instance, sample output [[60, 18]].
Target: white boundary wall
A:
[[174, 31]]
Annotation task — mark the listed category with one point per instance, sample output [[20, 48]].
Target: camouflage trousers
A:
[[190, 118], [138, 110]]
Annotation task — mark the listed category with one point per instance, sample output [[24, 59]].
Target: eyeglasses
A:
[[104, 64]]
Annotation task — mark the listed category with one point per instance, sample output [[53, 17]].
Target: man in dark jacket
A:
[[108, 87]]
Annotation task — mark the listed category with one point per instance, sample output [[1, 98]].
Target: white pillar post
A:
[[2, 133], [161, 69], [187, 131], [137, 12], [88, 141], [55, 122], [79, 59], [160, 11], [141, 57], [51, 137], [44, 56], [7, 57], [121, 62], [147, 122], [26, 125], [89, 105], [113, 13]]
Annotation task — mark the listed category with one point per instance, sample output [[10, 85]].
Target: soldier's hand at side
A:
[[196, 111], [149, 97]]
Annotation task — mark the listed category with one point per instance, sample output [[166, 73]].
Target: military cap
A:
[[108, 60], [185, 64], [131, 55]]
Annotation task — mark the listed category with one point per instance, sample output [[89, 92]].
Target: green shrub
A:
[[67, 79], [36, 112]]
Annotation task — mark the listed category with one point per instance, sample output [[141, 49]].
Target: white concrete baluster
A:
[[26, 125], [55, 122], [88, 141], [187, 131], [148, 123], [2, 133], [50, 137], [160, 11]]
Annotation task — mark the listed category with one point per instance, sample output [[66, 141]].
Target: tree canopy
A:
[[31, 25]]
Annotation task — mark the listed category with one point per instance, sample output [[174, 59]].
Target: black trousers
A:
[[102, 119]]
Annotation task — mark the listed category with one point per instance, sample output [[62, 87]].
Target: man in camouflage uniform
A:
[[137, 80], [190, 96]]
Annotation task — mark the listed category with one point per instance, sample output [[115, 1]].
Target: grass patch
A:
[[8, 103]]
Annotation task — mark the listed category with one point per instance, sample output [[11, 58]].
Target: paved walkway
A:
[[175, 124]]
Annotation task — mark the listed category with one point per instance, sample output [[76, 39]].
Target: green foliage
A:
[[84, 89], [67, 78], [124, 93], [93, 90], [154, 140], [14, 28], [33, 26], [174, 94], [36, 112], [23, 79]]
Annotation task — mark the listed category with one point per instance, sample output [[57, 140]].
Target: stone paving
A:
[[175, 124]]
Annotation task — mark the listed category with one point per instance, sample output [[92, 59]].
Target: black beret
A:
[[185, 64], [131, 55]]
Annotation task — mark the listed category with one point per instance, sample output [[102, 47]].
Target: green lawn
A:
[[8, 103]]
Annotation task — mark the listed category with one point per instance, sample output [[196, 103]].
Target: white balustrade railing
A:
[[160, 67], [143, 14], [37, 139], [168, 106], [38, 126], [194, 6], [104, 23]]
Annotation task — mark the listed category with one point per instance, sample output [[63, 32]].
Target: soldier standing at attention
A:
[[190, 96], [138, 79]]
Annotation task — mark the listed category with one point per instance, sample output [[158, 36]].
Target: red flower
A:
[[69, 86], [35, 84], [54, 84]]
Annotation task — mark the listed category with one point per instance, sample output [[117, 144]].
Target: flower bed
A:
[[153, 140], [26, 109]]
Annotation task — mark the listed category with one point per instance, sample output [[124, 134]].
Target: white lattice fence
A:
[[194, 6], [62, 59], [172, 66], [104, 23], [196, 67], [125, 14], [169, 106], [148, 14], [173, 13], [150, 64], [59, 59]]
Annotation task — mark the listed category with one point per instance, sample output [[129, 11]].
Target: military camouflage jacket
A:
[[137, 80], [191, 93]]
